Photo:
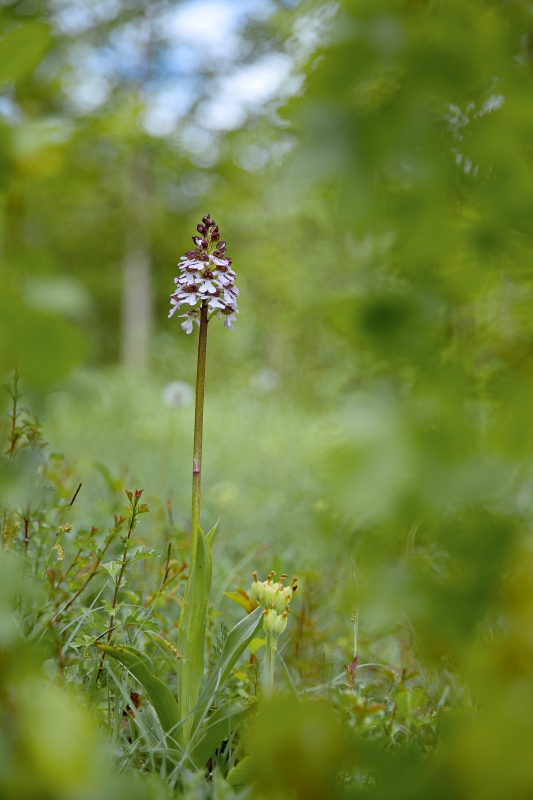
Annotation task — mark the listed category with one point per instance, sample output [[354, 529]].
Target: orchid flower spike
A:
[[206, 278]]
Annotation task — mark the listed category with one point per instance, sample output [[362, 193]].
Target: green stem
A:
[[198, 432], [272, 661], [266, 679], [270, 654]]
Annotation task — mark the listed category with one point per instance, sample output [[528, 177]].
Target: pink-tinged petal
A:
[[208, 287], [214, 302], [187, 326]]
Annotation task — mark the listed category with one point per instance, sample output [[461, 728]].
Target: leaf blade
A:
[[239, 638], [161, 697], [191, 634], [218, 726], [211, 536]]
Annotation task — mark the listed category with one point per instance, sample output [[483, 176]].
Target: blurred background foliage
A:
[[370, 166]]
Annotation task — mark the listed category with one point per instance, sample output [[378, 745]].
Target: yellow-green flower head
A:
[[258, 592], [272, 595], [274, 624]]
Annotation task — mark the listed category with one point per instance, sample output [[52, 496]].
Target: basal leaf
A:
[[191, 634], [162, 699], [242, 775], [217, 728]]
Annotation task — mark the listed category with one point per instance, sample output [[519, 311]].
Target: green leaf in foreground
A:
[[217, 728], [161, 697], [241, 775]]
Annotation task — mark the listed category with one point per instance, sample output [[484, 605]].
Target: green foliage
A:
[[21, 50], [161, 697], [191, 635], [369, 419]]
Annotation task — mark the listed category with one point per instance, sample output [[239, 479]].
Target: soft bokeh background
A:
[[369, 165]]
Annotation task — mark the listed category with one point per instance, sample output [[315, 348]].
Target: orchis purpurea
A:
[[206, 287], [206, 280]]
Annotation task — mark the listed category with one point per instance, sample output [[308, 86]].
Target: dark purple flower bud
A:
[[207, 219], [215, 237], [221, 245], [212, 223], [201, 229], [199, 242]]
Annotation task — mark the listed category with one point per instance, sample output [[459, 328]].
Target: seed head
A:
[[59, 552], [206, 279]]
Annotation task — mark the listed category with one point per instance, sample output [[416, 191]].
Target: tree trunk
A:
[[137, 310]]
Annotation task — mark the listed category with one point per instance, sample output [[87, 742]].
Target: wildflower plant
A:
[[273, 598], [205, 288]]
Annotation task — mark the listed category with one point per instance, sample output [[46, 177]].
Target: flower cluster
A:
[[206, 279], [274, 598]]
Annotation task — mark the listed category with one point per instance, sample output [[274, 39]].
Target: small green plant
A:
[[273, 599]]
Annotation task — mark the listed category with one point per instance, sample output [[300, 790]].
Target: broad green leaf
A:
[[237, 642], [191, 634], [241, 775], [218, 726], [161, 697], [22, 49], [147, 661], [211, 536]]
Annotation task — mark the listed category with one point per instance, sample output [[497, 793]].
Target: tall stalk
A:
[[198, 430], [205, 288]]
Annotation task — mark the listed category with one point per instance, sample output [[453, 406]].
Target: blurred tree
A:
[[142, 87]]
